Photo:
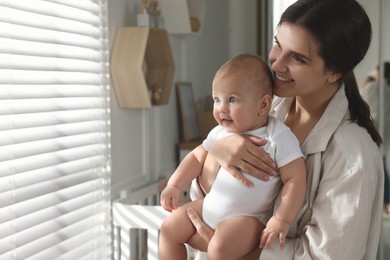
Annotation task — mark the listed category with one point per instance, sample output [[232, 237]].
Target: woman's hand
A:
[[202, 229], [240, 152]]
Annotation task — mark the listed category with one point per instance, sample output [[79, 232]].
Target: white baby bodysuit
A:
[[230, 198]]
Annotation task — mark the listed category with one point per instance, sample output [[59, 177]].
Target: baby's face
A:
[[236, 104]]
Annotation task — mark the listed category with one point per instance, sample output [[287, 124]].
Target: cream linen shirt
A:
[[341, 217]]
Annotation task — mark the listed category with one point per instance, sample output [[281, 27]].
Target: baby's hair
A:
[[249, 66]]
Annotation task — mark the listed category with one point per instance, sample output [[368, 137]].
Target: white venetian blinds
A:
[[54, 130]]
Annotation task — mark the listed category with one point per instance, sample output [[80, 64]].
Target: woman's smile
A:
[[283, 79]]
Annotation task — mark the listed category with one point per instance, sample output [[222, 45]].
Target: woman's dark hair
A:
[[344, 32]]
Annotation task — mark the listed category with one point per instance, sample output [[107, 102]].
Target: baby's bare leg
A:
[[176, 230], [235, 238]]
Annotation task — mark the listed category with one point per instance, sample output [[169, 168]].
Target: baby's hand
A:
[[275, 228], [170, 198]]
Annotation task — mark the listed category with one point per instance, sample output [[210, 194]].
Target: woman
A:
[[317, 46]]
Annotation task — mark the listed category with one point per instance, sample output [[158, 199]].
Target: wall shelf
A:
[[141, 67], [183, 16]]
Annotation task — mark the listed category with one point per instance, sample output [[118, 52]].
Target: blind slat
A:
[[45, 77], [27, 248], [20, 62], [27, 91], [99, 250], [16, 136], [29, 19], [50, 187], [90, 5], [77, 246], [18, 32], [25, 179], [34, 226], [44, 105], [16, 151], [42, 49], [50, 8], [45, 160], [26, 207], [19, 121]]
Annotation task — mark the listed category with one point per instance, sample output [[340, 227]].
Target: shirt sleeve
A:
[[344, 219]]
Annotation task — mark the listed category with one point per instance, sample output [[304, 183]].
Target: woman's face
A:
[[298, 68]]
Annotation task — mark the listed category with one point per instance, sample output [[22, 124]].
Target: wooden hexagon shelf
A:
[[141, 67]]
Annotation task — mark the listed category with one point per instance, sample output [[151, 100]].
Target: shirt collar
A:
[[320, 135]]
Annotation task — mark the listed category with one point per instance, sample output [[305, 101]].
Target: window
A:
[[54, 130], [279, 7]]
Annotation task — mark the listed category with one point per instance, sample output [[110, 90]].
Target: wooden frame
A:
[[187, 112], [264, 32]]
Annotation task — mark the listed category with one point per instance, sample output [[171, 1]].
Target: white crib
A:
[[137, 220]]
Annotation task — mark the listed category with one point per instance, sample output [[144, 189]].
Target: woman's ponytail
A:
[[358, 108]]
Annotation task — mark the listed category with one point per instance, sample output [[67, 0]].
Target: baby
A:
[[242, 93]]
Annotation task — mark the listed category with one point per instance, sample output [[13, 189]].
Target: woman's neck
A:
[[306, 111]]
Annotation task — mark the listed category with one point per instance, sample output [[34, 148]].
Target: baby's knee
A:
[[168, 227], [169, 231]]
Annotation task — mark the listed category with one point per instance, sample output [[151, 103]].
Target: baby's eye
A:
[[232, 100], [217, 100], [276, 42]]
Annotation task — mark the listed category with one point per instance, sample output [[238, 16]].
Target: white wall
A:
[[373, 55], [144, 140]]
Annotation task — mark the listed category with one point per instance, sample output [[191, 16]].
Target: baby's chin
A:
[[231, 128]]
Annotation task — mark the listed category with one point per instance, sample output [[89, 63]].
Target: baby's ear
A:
[[265, 105]]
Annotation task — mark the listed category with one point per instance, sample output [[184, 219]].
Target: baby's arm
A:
[[293, 176], [188, 169]]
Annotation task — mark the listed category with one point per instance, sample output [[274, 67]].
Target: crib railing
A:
[[137, 220]]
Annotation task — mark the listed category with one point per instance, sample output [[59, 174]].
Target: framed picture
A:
[[187, 112]]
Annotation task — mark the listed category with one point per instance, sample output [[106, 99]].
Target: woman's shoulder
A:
[[352, 144], [350, 155], [350, 133]]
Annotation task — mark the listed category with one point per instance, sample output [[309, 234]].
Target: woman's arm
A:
[[239, 152]]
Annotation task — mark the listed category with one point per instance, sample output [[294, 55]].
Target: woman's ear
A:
[[265, 105], [334, 76]]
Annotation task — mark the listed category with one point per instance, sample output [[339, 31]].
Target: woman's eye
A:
[[232, 100], [299, 59]]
